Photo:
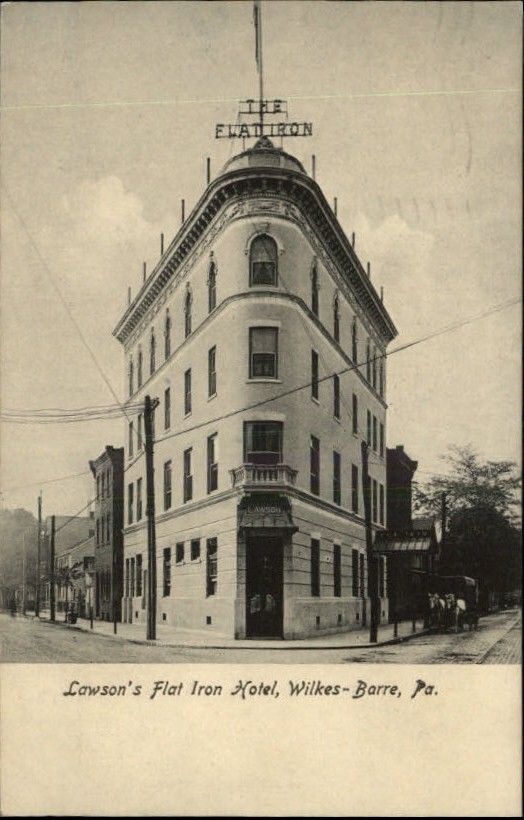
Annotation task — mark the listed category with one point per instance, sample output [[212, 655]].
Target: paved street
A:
[[26, 641]]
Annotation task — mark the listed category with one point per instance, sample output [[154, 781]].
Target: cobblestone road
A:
[[25, 641]]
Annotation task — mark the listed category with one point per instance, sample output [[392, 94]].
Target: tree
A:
[[14, 526], [482, 538]]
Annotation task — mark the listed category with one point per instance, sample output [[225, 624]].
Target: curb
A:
[[279, 646]]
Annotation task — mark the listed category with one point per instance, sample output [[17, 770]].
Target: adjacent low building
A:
[[108, 474]]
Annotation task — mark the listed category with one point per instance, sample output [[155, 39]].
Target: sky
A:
[[108, 116]]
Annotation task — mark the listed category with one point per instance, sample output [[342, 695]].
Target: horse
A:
[[455, 611], [436, 610]]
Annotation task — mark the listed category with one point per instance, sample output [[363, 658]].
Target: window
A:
[[97, 532], [314, 374], [211, 566], [98, 486], [354, 488], [188, 305], [368, 361], [314, 289], [212, 287], [131, 436], [131, 376], [108, 528], [336, 318], [375, 423], [263, 352], [381, 504], [263, 442], [355, 413], [336, 396], [167, 572], [139, 575], [139, 431], [374, 367], [362, 579], [212, 463], [336, 477], [354, 342], [195, 549], [374, 498], [354, 573], [167, 485], [263, 255], [152, 350], [138, 499], [127, 579], [212, 372], [314, 461], [139, 368], [337, 585], [188, 478], [381, 377], [130, 489], [132, 581], [180, 552], [369, 429], [315, 567], [167, 336], [167, 408], [187, 391]]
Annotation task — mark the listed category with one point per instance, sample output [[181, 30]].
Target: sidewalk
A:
[[192, 639]]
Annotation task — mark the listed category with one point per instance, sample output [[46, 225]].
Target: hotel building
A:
[[262, 337]]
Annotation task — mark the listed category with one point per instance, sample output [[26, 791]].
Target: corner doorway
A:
[[264, 587]]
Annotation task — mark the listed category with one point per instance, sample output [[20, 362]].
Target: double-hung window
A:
[[167, 408], [315, 567], [211, 567], [188, 477], [263, 442], [336, 396], [167, 485], [263, 352], [212, 463], [167, 572], [354, 488], [314, 374], [212, 372], [187, 392], [337, 492], [314, 465]]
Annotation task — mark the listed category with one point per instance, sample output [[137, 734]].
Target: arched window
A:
[[212, 287], [131, 376], [263, 257], [187, 313], [314, 289], [354, 342], [368, 361], [152, 345], [336, 318], [139, 368], [167, 335]]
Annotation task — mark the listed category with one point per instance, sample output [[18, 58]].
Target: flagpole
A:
[[257, 12]]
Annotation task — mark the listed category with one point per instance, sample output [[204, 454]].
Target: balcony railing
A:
[[263, 475]]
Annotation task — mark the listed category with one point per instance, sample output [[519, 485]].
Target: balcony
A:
[[263, 476]]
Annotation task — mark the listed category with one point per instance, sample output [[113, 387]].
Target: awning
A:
[[421, 543], [266, 513]]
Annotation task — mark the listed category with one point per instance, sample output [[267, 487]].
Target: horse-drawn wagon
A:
[[453, 602]]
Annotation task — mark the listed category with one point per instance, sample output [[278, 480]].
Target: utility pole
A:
[[24, 579], [149, 409], [38, 551], [372, 560], [52, 571]]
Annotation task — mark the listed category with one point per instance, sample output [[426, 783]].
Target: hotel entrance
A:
[[264, 587]]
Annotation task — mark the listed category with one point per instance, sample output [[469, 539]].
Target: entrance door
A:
[[264, 587]]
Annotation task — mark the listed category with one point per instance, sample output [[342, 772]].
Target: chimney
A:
[[381, 293], [313, 165], [183, 203], [335, 202], [161, 244], [129, 295], [208, 170], [144, 271], [369, 269], [353, 239]]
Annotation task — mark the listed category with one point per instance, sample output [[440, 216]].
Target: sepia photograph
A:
[[260, 344]]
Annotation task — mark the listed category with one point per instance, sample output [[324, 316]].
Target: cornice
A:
[[301, 194]]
